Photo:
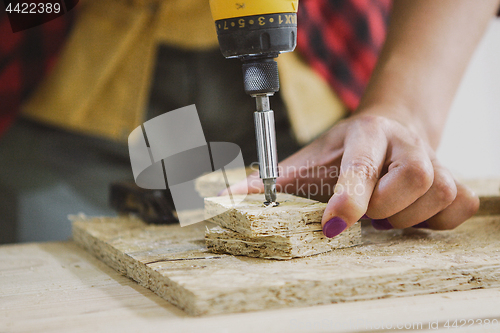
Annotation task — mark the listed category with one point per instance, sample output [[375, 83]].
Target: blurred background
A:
[[470, 146], [46, 173]]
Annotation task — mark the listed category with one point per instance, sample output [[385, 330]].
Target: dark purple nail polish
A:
[[365, 217], [334, 227], [422, 225], [382, 224]]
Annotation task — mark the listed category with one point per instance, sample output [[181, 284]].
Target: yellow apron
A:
[[101, 83]]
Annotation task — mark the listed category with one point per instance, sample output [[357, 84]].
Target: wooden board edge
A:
[[425, 281], [135, 270]]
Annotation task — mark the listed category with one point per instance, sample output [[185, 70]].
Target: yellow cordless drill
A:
[[256, 32]]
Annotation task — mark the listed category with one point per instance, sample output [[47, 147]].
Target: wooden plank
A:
[[59, 287], [483, 187], [211, 184], [290, 230], [174, 263], [489, 205], [488, 191]]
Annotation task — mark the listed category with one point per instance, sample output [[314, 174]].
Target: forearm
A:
[[428, 47]]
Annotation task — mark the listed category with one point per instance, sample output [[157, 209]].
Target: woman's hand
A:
[[374, 165], [381, 160]]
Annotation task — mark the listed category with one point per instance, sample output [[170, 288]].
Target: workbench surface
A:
[[59, 287]]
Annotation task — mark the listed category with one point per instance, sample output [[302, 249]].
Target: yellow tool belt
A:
[[101, 82]]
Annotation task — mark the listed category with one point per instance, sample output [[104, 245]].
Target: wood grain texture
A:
[[174, 263], [60, 287], [290, 230]]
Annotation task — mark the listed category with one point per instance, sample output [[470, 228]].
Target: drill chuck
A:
[[260, 76]]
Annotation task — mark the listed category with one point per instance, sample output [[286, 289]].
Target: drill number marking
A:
[[255, 21], [290, 19]]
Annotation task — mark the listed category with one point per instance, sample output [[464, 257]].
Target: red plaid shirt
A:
[[25, 57], [341, 40]]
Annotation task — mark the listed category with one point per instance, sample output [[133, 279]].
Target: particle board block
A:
[[290, 230], [175, 263], [302, 244], [251, 218]]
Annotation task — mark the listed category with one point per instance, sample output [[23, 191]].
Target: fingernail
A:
[[382, 224], [422, 225], [334, 227]]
